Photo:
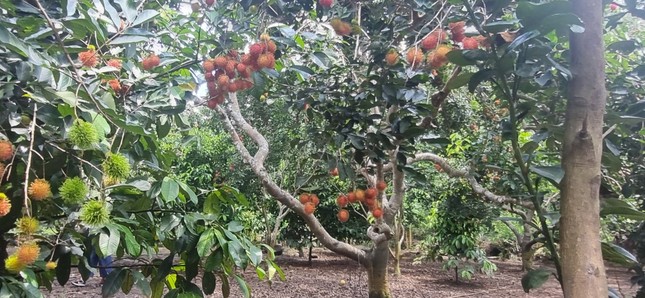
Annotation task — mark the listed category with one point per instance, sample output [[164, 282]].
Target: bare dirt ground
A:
[[334, 276]]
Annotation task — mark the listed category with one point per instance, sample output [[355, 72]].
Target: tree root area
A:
[[331, 275]]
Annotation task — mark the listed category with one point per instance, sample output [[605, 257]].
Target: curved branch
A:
[[460, 173], [379, 233], [257, 165]]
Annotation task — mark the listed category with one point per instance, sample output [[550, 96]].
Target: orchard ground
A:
[[331, 275]]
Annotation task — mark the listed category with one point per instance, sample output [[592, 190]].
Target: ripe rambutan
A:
[[151, 62], [381, 185], [343, 215], [351, 197], [115, 85], [94, 213], [304, 198], [310, 208], [360, 195], [6, 150], [73, 190], [435, 61], [377, 212], [342, 201], [83, 134], [392, 57], [414, 57], [230, 66], [27, 225], [222, 81], [430, 42], [326, 3], [208, 65], [255, 50], [27, 253], [220, 61], [88, 58], [342, 28], [442, 51], [233, 87], [333, 172], [271, 46], [40, 190], [210, 2], [116, 166], [212, 103], [371, 193], [470, 43], [5, 205], [264, 61], [314, 199], [116, 63]]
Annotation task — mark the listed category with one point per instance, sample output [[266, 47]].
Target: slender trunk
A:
[[583, 270], [399, 237], [527, 253], [377, 272]]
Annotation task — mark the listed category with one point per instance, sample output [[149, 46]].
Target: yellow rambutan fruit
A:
[[27, 225], [40, 190], [13, 264], [50, 265], [27, 253], [5, 205]]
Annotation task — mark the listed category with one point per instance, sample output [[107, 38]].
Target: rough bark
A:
[[583, 271], [377, 272]]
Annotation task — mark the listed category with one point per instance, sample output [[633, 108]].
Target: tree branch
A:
[[257, 165], [391, 206], [459, 173]]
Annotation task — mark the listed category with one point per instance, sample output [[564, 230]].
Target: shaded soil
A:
[[331, 275]]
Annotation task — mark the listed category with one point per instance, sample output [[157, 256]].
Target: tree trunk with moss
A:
[[377, 272]]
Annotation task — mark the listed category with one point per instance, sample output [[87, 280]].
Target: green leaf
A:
[[623, 46], [226, 288], [128, 281], [142, 283], [534, 279], [205, 243], [209, 283], [552, 173], [500, 26], [460, 80], [479, 77], [246, 291], [169, 189], [522, 39], [109, 242], [132, 246], [214, 261], [144, 16], [128, 39], [157, 287], [112, 13], [63, 268], [113, 282], [616, 254], [620, 208]]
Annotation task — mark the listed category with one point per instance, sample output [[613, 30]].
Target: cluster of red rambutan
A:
[[437, 46], [366, 197], [310, 202], [232, 73]]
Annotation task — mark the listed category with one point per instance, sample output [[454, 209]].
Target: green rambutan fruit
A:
[[116, 166], [83, 134], [73, 190], [27, 225], [94, 213]]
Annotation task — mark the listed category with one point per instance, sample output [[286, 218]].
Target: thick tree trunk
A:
[[377, 272], [583, 271], [527, 252]]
